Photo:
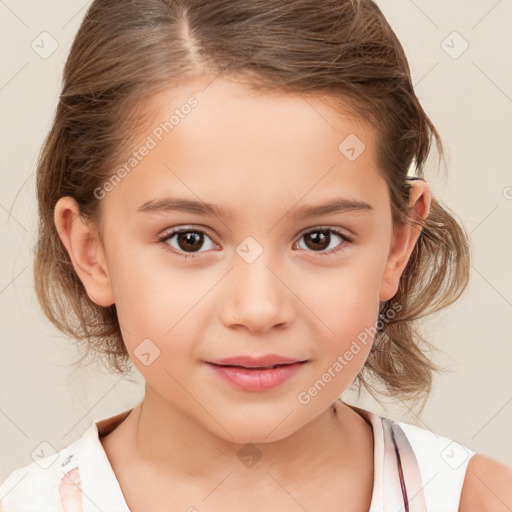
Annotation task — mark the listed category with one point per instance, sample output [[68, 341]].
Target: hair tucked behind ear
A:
[[435, 276], [343, 51]]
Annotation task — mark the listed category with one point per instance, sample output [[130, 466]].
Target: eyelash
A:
[[163, 239]]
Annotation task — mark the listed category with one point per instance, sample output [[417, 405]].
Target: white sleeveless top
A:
[[415, 470]]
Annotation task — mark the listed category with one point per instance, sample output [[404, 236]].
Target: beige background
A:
[[469, 99]]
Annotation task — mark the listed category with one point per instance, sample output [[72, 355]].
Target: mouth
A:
[[256, 378], [264, 362], [256, 367]]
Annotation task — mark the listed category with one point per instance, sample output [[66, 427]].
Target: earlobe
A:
[[85, 250], [404, 239]]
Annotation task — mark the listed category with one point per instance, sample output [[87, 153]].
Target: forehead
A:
[[249, 118], [222, 142]]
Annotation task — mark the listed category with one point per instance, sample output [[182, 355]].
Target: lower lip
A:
[[256, 380]]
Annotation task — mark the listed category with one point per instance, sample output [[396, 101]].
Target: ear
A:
[[85, 250], [405, 238]]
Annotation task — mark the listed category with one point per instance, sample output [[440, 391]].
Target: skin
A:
[[260, 156], [487, 486]]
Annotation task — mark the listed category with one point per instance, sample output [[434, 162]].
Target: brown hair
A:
[[343, 50]]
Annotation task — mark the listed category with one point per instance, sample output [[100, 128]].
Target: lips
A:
[[259, 376], [266, 361]]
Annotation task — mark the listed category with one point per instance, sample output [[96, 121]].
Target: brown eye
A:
[[322, 240], [186, 240], [319, 240], [190, 240]]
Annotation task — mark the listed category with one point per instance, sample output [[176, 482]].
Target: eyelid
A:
[[168, 234], [333, 229]]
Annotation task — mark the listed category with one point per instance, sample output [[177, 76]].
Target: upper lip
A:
[[246, 361]]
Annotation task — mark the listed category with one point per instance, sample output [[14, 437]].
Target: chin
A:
[[258, 431]]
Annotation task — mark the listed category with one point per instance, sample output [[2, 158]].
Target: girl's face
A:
[[260, 270]]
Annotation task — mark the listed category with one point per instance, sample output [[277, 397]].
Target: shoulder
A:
[[437, 453], [487, 486], [41, 484], [442, 463]]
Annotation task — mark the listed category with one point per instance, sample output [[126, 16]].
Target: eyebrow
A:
[[169, 204]]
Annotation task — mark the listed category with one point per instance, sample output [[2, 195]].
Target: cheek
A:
[[142, 291], [346, 302], [348, 294], [159, 302]]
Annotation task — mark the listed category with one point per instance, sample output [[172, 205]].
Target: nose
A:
[[257, 297]]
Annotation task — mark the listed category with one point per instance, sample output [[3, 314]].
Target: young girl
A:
[[225, 202]]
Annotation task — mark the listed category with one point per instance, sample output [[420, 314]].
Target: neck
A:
[[176, 446]]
